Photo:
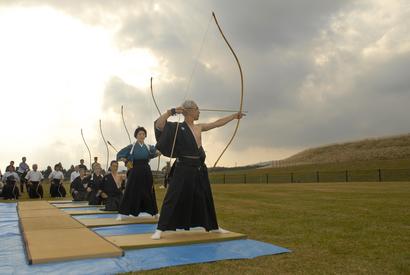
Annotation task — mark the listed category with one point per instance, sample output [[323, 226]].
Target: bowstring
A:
[[187, 88]]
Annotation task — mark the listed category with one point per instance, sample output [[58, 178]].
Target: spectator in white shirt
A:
[[56, 187], [75, 173], [34, 178]]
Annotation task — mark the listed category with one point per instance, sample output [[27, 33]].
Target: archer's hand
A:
[[179, 110], [239, 115]]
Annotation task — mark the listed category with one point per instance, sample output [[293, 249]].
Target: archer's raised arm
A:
[[162, 120], [221, 122]]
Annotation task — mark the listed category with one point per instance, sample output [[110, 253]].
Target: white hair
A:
[[189, 104]]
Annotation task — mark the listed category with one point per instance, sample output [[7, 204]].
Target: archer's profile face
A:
[[193, 112]]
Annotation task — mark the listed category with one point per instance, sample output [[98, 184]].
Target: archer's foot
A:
[[220, 230], [156, 235]]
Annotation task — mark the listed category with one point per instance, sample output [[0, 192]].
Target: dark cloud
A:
[[263, 25], [292, 100]]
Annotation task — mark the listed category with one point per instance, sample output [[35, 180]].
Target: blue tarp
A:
[[94, 216], [125, 229], [13, 258], [83, 208]]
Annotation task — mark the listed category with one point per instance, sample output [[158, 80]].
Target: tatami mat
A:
[[99, 222], [171, 238], [53, 235]]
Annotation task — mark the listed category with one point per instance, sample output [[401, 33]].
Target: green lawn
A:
[[332, 228]]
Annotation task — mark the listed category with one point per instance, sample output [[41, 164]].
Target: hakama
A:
[[188, 202], [139, 194], [114, 193], [95, 185]]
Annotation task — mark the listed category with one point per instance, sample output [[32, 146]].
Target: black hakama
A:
[[57, 189], [188, 201], [139, 195], [35, 190], [79, 189], [95, 185], [114, 193], [10, 190]]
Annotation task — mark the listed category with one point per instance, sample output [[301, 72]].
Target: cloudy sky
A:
[[316, 72]]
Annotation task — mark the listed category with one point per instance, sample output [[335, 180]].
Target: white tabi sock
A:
[[119, 217], [220, 230], [156, 235]]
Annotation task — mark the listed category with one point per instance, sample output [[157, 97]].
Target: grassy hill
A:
[[385, 148], [372, 153]]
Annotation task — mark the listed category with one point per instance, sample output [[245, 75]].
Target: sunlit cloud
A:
[[54, 70]]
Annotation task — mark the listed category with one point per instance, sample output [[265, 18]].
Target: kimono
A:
[[95, 185], [10, 189], [56, 187], [139, 194], [79, 188], [114, 192], [35, 189], [188, 201]]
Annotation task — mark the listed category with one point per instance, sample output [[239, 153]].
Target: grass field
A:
[[335, 228], [332, 228]]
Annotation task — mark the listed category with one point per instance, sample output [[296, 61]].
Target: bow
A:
[[241, 100], [123, 122], [127, 163], [105, 142], [153, 98], [112, 146], [241, 103], [159, 112], [88, 148]]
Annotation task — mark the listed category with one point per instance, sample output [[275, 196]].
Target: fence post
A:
[[224, 179], [244, 178], [380, 175], [317, 176], [347, 175], [267, 178], [291, 177]]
